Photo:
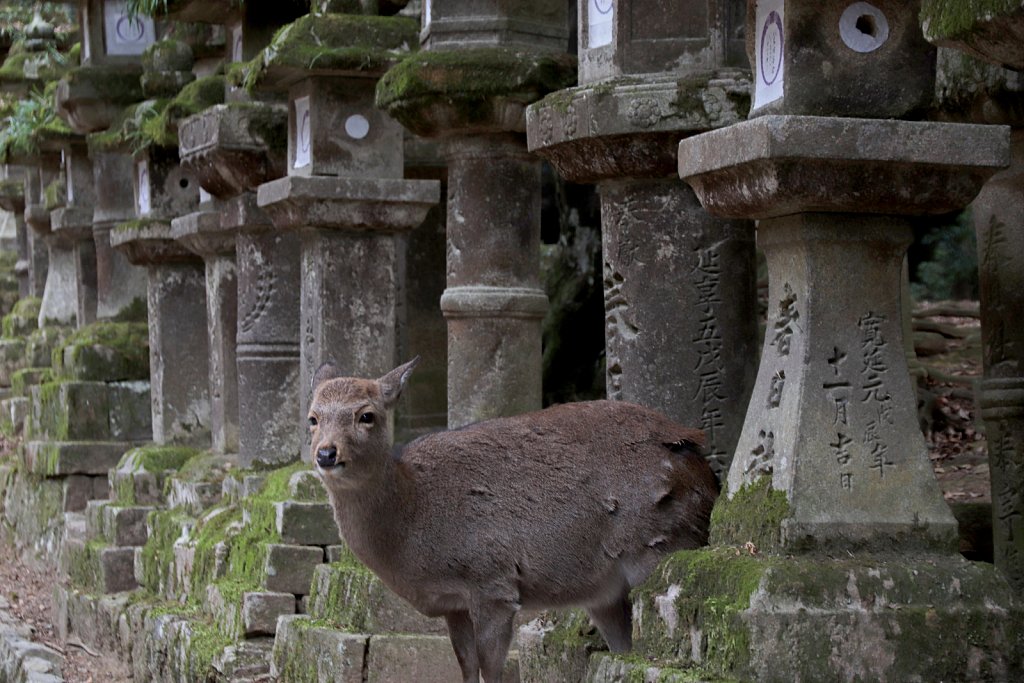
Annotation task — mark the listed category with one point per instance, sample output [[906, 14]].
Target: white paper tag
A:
[[769, 44]]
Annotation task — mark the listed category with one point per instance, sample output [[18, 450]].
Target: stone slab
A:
[[770, 618], [61, 458], [779, 165], [306, 523], [349, 593], [378, 205], [289, 568], [260, 612], [398, 658], [306, 652]]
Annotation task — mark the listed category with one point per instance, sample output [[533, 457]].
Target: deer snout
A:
[[327, 457]]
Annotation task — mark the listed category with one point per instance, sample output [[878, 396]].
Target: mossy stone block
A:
[[105, 351], [771, 618], [64, 458], [307, 486], [98, 568], [332, 43], [469, 88], [23, 380], [23, 319], [350, 596], [289, 568], [12, 359], [41, 343], [306, 651], [65, 411]]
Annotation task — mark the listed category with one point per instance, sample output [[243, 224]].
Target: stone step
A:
[[12, 359], [348, 593], [304, 650], [13, 412], [23, 380], [94, 411], [290, 568], [303, 523], [63, 458], [97, 567], [140, 476], [253, 614], [119, 526], [606, 668]]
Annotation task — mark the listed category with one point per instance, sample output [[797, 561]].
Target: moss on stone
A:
[[953, 18], [135, 312], [753, 514], [105, 351], [55, 195], [22, 379], [23, 318], [334, 42], [156, 458], [162, 129], [137, 127], [117, 84], [469, 82]]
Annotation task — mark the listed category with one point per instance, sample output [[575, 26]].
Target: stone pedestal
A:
[[178, 344], [348, 264], [37, 223], [679, 284], [998, 214], [230, 149], [12, 199], [830, 460], [72, 224], [201, 232], [120, 286]]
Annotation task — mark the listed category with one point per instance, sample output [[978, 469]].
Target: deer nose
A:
[[327, 457]]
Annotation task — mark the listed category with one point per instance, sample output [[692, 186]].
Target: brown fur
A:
[[573, 505]]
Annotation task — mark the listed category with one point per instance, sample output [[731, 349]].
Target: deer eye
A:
[[312, 422], [366, 418]]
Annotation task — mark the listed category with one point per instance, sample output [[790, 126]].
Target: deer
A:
[[573, 505]]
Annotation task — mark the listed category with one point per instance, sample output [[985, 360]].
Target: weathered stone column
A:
[[494, 304], [344, 191], [679, 284], [12, 199], [981, 92], [201, 233], [831, 483], [58, 306], [179, 351], [72, 223]]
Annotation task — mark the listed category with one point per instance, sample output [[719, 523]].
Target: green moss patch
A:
[[162, 128], [754, 514], [953, 18], [136, 128], [105, 351], [469, 81], [22, 379], [332, 43], [23, 318]]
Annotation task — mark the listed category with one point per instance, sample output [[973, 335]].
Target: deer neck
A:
[[375, 518]]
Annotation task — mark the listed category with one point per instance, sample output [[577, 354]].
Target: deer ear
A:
[[325, 372], [392, 384]]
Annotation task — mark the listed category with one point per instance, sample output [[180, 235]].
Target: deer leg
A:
[[493, 624], [463, 637], [615, 622]]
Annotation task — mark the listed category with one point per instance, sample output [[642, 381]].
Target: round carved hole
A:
[[183, 183], [863, 27]]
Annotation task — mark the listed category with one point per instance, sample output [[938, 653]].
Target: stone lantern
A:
[[344, 191], [679, 284], [831, 507], [73, 224]]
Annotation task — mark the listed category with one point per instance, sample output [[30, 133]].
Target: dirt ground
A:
[[28, 586], [949, 346]]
